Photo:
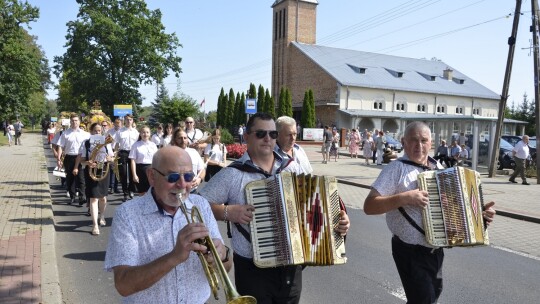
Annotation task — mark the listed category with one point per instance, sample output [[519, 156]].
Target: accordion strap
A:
[[401, 209]]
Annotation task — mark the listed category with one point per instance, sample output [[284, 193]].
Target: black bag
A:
[[211, 170]]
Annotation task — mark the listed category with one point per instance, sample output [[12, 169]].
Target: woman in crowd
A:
[[167, 135], [354, 143], [140, 156], [51, 129], [215, 155], [367, 146], [96, 191], [334, 148], [10, 133], [157, 137]]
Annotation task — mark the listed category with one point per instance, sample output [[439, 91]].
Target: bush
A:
[[236, 150], [226, 137]]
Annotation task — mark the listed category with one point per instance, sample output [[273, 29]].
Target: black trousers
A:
[[268, 285], [443, 158], [125, 176], [420, 270], [74, 183]]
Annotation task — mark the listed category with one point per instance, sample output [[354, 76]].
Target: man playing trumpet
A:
[[152, 249]]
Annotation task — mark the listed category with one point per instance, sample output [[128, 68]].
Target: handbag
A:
[[12, 132]]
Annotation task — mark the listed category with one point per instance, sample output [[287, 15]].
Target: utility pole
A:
[[504, 96], [534, 28]]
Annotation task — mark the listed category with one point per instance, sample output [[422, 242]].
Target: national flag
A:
[[202, 102]]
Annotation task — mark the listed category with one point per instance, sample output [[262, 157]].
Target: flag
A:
[[202, 102]]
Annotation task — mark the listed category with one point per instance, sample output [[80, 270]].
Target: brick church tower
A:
[[293, 20]]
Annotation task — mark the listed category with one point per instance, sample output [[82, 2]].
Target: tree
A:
[[230, 110], [178, 108], [525, 111], [308, 110], [163, 96], [269, 104], [261, 100], [287, 105], [114, 47], [24, 68], [242, 110], [252, 92], [220, 108]]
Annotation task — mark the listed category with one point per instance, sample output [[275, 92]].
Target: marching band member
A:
[[141, 158], [124, 139], [180, 140]]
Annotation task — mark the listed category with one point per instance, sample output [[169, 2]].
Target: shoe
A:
[[82, 200], [95, 231], [88, 212], [512, 181], [116, 191], [67, 194], [110, 191], [125, 198], [102, 222], [525, 183], [131, 195], [71, 201]]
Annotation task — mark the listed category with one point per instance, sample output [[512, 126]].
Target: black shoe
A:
[[125, 198], [116, 191], [88, 212], [82, 200], [525, 183], [110, 191], [71, 201], [512, 181]]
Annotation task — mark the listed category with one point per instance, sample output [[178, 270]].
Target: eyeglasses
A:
[[175, 176], [262, 134], [189, 122]]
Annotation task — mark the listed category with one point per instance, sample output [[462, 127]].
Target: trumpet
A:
[[212, 273]]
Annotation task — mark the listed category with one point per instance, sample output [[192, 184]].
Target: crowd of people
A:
[[155, 250]]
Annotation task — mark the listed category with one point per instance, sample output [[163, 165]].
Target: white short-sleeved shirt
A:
[[228, 185], [72, 139], [126, 137], [396, 178], [299, 156], [218, 151], [194, 135], [196, 160], [142, 152], [141, 233], [157, 139], [101, 156], [522, 150]]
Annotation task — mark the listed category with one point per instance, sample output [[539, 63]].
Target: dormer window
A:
[[358, 70], [421, 108], [400, 74], [400, 107], [397, 74]]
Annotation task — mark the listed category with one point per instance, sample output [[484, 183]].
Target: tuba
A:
[[100, 171], [231, 294]]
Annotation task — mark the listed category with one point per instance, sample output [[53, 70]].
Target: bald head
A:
[[168, 157]]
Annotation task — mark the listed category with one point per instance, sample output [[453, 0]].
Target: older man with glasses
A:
[[151, 242], [225, 192], [195, 136]]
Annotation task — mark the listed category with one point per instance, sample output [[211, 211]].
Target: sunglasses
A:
[[189, 122], [262, 134], [175, 176]]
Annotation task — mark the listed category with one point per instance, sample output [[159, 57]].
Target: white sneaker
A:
[[67, 194], [102, 222]]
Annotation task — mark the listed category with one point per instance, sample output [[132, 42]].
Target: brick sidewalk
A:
[[28, 272]]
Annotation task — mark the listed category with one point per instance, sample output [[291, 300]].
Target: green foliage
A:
[[285, 103], [308, 110], [526, 111], [178, 108], [270, 107], [226, 137], [261, 100], [220, 108], [114, 47], [230, 110], [162, 97], [241, 111], [252, 91], [24, 70]]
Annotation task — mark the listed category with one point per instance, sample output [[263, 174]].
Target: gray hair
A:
[[416, 125], [285, 121]]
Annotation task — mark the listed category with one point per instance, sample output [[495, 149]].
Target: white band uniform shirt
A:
[[141, 232], [112, 132], [157, 139], [522, 150], [126, 137], [142, 152], [217, 152], [105, 151], [223, 188], [194, 135], [71, 140], [299, 156], [196, 160], [166, 140]]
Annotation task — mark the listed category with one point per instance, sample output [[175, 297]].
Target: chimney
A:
[[448, 74]]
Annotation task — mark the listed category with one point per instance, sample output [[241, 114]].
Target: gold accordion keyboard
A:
[[294, 221], [454, 214]]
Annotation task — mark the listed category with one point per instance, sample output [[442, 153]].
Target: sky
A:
[[228, 44]]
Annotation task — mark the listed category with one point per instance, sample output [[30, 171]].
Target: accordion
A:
[[294, 221], [453, 216]]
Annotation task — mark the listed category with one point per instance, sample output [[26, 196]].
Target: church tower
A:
[[293, 20]]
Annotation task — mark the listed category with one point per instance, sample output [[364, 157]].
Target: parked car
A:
[[505, 161], [393, 143], [513, 140]]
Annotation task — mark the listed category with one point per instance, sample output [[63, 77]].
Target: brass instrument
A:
[[231, 294], [100, 171]]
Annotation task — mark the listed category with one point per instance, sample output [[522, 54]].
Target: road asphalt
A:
[[28, 262]]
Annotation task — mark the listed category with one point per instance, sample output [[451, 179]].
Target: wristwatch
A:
[[226, 259]]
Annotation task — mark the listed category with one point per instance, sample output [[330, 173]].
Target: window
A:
[[377, 105], [441, 109], [400, 107], [421, 108], [459, 110], [476, 111]]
